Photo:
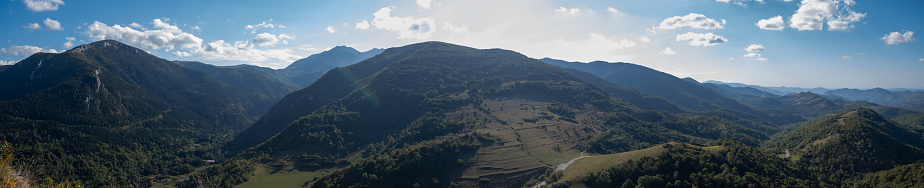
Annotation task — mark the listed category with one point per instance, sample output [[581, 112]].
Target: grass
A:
[[264, 178], [576, 172]]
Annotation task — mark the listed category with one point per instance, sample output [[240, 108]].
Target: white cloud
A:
[[449, 27], [668, 51], [569, 11], [701, 39], [331, 29], [845, 57], [898, 38], [181, 54], [752, 55], [645, 39], [362, 25], [135, 25], [626, 43], [32, 26], [265, 39], [241, 51], [52, 24], [812, 15], [754, 48], [774, 23], [164, 36], [739, 2], [264, 24], [5, 62], [424, 4], [760, 59], [195, 28], [692, 20], [25, 51], [69, 43], [613, 10], [921, 60], [42, 5], [407, 27]]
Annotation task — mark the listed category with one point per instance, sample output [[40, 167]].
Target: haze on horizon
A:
[[798, 43]]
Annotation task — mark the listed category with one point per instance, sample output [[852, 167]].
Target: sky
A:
[[798, 43]]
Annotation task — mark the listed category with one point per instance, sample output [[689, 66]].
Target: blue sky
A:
[[803, 43]]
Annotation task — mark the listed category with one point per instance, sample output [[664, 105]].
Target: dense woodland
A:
[[430, 114]]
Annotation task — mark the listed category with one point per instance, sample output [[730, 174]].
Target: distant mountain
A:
[[775, 90], [903, 99], [434, 113], [685, 93], [845, 145], [305, 71], [805, 104], [109, 114], [256, 83]]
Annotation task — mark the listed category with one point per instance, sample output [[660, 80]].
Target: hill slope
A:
[[682, 92], [511, 117], [109, 114], [845, 145]]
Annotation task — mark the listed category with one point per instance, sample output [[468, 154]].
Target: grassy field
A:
[[283, 177]]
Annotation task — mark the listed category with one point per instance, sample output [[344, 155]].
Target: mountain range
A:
[[436, 114]]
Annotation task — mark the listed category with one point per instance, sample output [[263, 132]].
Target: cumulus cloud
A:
[[449, 27], [69, 43], [898, 38], [569, 11], [424, 4], [181, 54], [362, 25], [241, 51], [845, 57], [407, 27], [645, 39], [52, 24], [331, 29], [692, 20], [5, 62], [754, 48], [135, 25], [42, 5], [613, 10], [752, 55], [25, 51], [32, 26], [626, 43], [266, 39], [701, 39], [813, 14], [264, 24], [760, 59], [163, 35], [739, 2], [668, 51], [921, 60], [774, 23]]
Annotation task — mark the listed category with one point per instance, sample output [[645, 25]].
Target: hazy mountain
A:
[[434, 113], [781, 90], [685, 93], [845, 145], [305, 71], [110, 114], [256, 83], [806, 104], [903, 99]]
